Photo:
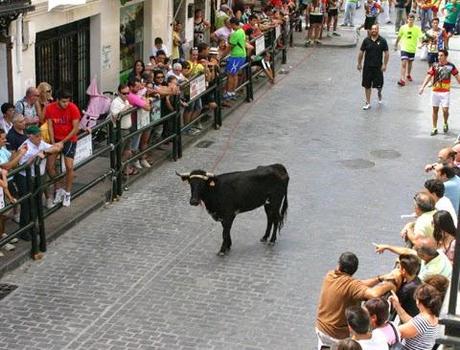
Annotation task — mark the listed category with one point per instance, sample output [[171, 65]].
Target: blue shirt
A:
[[5, 155], [452, 191]]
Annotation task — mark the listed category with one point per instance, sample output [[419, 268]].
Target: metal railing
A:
[[112, 146]]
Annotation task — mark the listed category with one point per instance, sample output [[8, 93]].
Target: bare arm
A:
[[386, 58], [360, 60], [75, 128], [380, 248], [379, 290]]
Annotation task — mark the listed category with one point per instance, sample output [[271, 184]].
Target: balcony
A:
[[10, 10]]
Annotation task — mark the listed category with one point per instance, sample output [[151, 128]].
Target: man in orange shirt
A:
[[440, 74], [339, 291]]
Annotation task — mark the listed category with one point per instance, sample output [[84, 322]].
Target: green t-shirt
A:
[[452, 12], [238, 41], [409, 37]]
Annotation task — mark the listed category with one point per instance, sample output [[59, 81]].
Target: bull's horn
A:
[[182, 175], [210, 175]]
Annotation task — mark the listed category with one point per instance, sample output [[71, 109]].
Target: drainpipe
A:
[[18, 37]]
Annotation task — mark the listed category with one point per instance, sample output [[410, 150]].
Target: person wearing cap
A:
[[35, 147], [237, 59], [63, 117]]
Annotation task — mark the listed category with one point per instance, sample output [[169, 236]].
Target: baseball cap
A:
[[33, 130]]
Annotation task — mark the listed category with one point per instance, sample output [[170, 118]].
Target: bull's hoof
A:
[[220, 254], [263, 240], [271, 243]]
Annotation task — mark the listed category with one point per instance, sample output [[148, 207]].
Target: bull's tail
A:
[[284, 207]]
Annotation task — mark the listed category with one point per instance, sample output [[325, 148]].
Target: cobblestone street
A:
[[143, 273]]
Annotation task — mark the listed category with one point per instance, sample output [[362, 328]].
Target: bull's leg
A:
[[267, 208], [226, 239], [275, 230]]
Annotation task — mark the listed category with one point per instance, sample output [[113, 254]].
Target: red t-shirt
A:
[[62, 119]]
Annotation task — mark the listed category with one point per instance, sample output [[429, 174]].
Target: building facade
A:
[[66, 44]]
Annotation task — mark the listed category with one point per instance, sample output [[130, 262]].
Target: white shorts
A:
[[325, 340], [440, 99]]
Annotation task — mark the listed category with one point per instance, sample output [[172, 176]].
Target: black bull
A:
[[228, 194]]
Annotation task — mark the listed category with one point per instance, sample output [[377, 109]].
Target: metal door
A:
[[62, 59]]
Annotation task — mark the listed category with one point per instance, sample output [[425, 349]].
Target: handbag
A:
[[424, 53], [44, 132], [398, 345]]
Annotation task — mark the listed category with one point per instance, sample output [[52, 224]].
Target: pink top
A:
[[450, 251], [136, 100], [388, 332]]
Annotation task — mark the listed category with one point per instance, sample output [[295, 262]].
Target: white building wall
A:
[[104, 42], [3, 74]]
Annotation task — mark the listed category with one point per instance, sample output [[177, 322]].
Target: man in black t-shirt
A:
[[409, 266], [374, 50]]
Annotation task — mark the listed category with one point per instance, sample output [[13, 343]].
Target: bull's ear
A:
[[184, 176]]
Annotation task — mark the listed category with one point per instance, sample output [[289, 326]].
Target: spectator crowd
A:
[[46, 125]]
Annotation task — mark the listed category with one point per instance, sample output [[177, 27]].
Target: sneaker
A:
[[9, 247], [1, 254], [50, 203], [17, 217], [317, 42], [194, 131], [59, 196], [335, 34], [445, 128], [14, 240], [145, 163], [434, 131], [226, 96], [366, 106], [329, 35], [307, 43], [401, 82], [137, 164], [343, 25], [66, 201], [409, 78]]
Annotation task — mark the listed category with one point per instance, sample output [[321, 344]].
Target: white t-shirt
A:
[[377, 342], [32, 151], [119, 105], [223, 33], [444, 203], [163, 48], [5, 125]]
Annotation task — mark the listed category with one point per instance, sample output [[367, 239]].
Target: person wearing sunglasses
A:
[[26, 106]]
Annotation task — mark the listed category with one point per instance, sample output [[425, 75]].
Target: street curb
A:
[[22, 257]]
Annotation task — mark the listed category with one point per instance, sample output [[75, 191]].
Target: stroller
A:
[[96, 111]]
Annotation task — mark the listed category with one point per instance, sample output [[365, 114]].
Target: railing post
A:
[[119, 153], [38, 194], [113, 159], [178, 132], [218, 99], [284, 38], [249, 91], [273, 50], [30, 204]]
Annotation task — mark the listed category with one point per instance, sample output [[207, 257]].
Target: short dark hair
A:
[[251, 17], [202, 46], [358, 319], [435, 186], [234, 20], [133, 82], [380, 308], [410, 263], [426, 250], [444, 51], [2, 131], [158, 41], [410, 15], [446, 169], [63, 94], [122, 86], [161, 52], [348, 263], [348, 344], [435, 19], [6, 106]]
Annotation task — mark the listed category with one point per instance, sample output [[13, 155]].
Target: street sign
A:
[[260, 44], [197, 86]]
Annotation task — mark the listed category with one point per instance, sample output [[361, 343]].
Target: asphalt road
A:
[[143, 273]]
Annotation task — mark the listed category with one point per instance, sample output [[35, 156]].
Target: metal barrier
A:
[[113, 144]]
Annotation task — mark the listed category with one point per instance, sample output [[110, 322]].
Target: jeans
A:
[[426, 16], [400, 17], [350, 9], [386, 11]]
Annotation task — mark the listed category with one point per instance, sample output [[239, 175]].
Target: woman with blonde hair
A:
[[45, 91]]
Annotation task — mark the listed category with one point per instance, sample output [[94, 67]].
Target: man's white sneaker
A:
[[137, 164], [14, 240], [17, 217], [66, 201], [58, 198], [366, 106], [9, 247], [145, 163], [50, 203]]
